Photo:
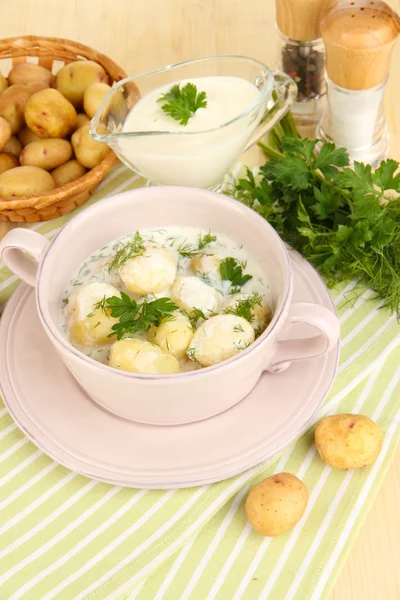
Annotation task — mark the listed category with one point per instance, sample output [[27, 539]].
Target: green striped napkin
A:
[[65, 537]]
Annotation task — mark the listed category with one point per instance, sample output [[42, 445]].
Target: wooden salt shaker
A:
[[301, 54], [359, 37]]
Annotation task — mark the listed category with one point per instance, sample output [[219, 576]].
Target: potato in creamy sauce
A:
[[220, 292]]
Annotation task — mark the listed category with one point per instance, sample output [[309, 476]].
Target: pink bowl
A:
[[186, 397]]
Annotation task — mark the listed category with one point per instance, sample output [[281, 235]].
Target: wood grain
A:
[[145, 34]]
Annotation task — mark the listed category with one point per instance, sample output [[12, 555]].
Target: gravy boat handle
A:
[[14, 248], [320, 318], [286, 93]]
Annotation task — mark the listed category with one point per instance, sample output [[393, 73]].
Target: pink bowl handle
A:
[[317, 316], [14, 247]]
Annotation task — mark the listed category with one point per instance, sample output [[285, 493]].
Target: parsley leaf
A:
[[231, 270], [134, 317], [181, 104]]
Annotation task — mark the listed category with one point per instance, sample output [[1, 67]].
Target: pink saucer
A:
[[52, 410]]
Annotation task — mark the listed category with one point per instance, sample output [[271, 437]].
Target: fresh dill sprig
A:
[[244, 306], [186, 250], [238, 328], [133, 248]]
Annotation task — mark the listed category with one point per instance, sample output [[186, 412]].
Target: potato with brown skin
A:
[[82, 120], [26, 136], [30, 73], [46, 154], [68, 172], [276, 504], [5, 132], [73, 79], [12, 105], [7, 162], [25, 181], [13, 146], [93, 97], [88, 152], [348, 441], [49, 114], [3, 83]]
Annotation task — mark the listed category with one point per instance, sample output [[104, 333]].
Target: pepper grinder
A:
[[359, 37], [301, 54]]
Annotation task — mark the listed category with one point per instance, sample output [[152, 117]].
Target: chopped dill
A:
[[65, 301], [243, 307], [126, 251], [191, 353], [238, 328], [205, 240], [186, 250], [97, 324], [241, 345]]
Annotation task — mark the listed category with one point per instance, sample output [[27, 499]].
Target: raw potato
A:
[[13, 146], [46, 154], [348, 441], [137, 356], [93, 97], [26, 136], [89, 152], [7, 162], [173, 335], [68, 172], [276, 504], [49, 114], [30, 73], [12, 105], [73, 79], [25, 181], [5, 132], [82, 120], [3, 83]]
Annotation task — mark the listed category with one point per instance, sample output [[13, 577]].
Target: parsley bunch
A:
[[345, 221]]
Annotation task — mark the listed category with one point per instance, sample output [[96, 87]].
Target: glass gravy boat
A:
[[193, 158]]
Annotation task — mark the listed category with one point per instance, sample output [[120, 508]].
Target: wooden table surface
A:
[[145, 34]]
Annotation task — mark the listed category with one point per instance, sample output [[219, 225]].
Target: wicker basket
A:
[[53, 53]]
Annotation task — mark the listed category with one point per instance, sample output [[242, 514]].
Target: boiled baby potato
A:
[[26, 136], [3, 83], [276, 504], [89, 152], [348, 441], [13, 146], [206, 264], [49, 114], [25, 181], [137, 356], [93, 97], [12, 105], [82, 120], [46, 154], [68, 172], [5, 132], [30, 73], [73, 79], [7, 162], [190, 293], [173, 335], [150, 272], [220, 338], [89, 324]]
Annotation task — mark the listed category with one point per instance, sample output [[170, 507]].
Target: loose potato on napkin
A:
[[276, 504], [348, 441]]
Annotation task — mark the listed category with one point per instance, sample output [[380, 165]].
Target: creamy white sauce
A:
[[175, 240], [191, 154]]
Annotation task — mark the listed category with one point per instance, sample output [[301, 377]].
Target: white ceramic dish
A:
[[54, 412], [186, 397]]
